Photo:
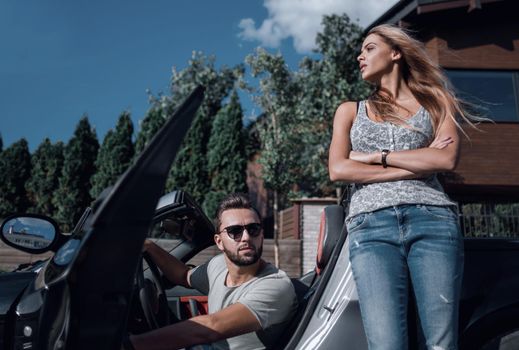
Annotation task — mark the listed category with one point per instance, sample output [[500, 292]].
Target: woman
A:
[[403, 229]]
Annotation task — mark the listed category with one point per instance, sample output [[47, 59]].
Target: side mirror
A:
[[31, 233]]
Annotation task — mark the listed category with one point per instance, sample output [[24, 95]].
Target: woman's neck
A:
[[394, 83]]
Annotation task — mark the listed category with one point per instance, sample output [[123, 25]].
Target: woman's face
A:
[[376, 58]]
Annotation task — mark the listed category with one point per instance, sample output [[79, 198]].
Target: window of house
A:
[[495, 94]]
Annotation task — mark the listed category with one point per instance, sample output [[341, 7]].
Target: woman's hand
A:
[[366, 158], [441, 143]]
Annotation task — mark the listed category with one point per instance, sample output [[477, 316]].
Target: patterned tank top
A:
[[369, 136]]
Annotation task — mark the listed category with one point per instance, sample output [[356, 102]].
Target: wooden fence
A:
[[289, 253]]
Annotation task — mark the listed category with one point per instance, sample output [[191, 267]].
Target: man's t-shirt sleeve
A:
[[199, 279], [271, 300]]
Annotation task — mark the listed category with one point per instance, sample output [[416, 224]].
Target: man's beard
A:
[[244, 260]]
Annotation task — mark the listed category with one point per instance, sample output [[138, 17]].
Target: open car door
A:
[[88, 283]]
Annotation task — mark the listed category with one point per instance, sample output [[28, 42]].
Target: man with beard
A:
[[250, 301]]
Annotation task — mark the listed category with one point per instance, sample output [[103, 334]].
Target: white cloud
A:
[[301, 19]]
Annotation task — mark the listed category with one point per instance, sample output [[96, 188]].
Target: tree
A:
[[298, 110], [115, 155], [327, 81], [226, 158], [300, 105], [72, 196], [149, 126], [189, 170], [15, 168], [279, 128], [47, 162]]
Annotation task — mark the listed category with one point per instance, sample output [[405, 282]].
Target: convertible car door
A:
[[88, 303]]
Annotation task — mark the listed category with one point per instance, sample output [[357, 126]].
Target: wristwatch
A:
[[385, 152]]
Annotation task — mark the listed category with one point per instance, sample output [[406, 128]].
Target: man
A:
[[250, 301]]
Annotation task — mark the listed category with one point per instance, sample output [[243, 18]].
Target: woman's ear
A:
[[396, 54]]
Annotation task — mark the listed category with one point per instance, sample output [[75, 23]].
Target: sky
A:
[[60, 60]]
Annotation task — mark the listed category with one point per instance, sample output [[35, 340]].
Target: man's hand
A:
[[147, 244], [174, 270]]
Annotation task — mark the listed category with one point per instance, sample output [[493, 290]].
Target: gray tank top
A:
[[369, 136]]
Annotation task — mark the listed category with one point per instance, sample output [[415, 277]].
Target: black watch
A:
[[385, 152]]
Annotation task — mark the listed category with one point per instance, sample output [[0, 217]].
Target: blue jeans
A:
[[394, 248]]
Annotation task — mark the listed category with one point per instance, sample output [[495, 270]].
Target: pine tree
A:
[[226, 158], [115, 155], [15, 169], [47, 162], [72, 196]]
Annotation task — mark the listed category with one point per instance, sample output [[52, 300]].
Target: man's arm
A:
[[231, 321], [174, 270]]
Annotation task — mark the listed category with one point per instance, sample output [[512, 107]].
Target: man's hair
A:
[[234, 201]]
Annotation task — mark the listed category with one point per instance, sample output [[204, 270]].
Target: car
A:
[[99, 285]]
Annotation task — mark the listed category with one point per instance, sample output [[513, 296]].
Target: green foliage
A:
[[47, 162], [72, 196], [212, 199], [280, 91], [226, 159], [115, 155], [149, 126], [15, 167], [299, 108], [189, 170], [1, 144]]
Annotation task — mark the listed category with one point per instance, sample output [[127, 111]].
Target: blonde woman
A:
[[403, 229]]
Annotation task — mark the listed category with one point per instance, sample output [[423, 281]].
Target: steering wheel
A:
[[152, 295]]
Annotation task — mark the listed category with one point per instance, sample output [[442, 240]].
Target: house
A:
[[476, 42]]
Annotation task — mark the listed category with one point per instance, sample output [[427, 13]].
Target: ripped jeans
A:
[[394, 248]]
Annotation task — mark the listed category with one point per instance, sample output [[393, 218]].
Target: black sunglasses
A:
[[235, 232]]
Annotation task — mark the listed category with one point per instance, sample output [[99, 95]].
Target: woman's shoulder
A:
[[347, 112], [347, 109]]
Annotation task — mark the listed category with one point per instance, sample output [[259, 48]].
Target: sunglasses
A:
[[235, 232]]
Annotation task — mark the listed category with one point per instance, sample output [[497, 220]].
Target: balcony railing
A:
[[490, 220]]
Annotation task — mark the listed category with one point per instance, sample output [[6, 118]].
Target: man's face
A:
[[245, 250]]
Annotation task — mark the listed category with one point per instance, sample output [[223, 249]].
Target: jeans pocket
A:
[[440, 212], [356, 222]]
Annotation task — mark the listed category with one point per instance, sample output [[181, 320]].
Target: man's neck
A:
[[238, 275]]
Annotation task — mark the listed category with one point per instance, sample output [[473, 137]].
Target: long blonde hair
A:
[[425, 79]]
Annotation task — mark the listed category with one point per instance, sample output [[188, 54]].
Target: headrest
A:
[[332, 220]]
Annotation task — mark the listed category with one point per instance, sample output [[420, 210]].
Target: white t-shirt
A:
[[270, 296]]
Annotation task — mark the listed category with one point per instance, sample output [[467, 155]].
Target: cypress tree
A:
[[15, 169], [47, 162], [189, 170], [226, 157], [72, 196], [115, 155], [149, 126]]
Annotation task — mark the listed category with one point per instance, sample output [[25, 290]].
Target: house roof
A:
[[403, 9]]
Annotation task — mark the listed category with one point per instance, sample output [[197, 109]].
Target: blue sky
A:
[[62, 59]]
